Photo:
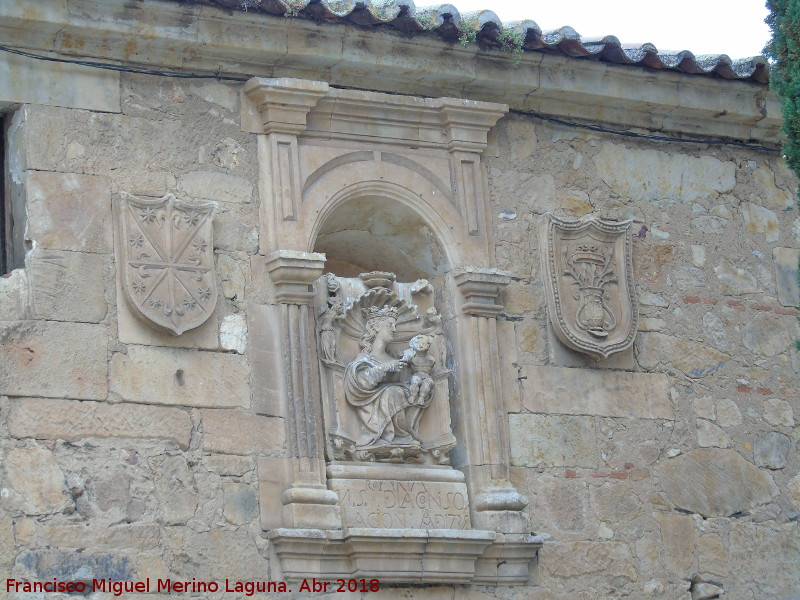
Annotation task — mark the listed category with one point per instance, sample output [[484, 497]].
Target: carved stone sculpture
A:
[[382, 360], [591, 297], [167, 261]]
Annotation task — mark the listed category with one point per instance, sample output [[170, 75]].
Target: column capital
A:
[[279, 105], [293, 272], [481, 289]]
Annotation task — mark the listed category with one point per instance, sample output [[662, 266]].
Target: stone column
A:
[[483, 421], [306, 502]]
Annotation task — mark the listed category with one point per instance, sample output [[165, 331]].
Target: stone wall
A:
[[131, 454]]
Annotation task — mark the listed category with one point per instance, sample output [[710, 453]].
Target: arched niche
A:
[[377, 227]]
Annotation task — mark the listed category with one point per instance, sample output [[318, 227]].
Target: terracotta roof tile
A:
[[445, 21]]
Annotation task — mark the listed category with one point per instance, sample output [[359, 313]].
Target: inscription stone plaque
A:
[[387, 504]]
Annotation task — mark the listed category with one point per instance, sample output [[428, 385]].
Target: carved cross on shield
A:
[[591, 298], [167, 261]]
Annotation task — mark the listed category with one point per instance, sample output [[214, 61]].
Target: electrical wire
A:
[[598, 128], [633, 134], [123, 68]]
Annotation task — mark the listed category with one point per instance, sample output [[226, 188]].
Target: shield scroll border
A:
[[207, 210], [554, 305]]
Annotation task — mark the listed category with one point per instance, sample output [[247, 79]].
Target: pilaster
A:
[[306, 501], [484, 423]]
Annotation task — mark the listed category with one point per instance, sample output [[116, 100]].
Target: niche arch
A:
[[383, 226]]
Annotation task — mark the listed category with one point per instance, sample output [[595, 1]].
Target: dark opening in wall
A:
[[12, 203]]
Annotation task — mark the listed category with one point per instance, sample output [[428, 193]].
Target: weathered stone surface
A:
[[14, 295], [714, 482], [238, 432], [771, 449], [232, 275], [764, 556], [173, 376], [67, 286], [46, 492], [735, 281], [616, 503], [211, 185], [711, 436], [113, 492], [770, 194], [574, 559], [562, 504], [214, 555], [678, 539], [142, 537], [778, 412], [658, 350], [67, 211], [728, 413], [650, 263], [78, 566], [794, 490], [562, 390], [758, 219], [765, 335], [240, 503], [29, 81], [712, 555], [687, 277], [40, 359], [236, 466], [233, 333], [655, 176], [72, 421], [175, 489], [553, 441], [698, 256], [786, 260], [704, 408], [649, 299], [7, 549]]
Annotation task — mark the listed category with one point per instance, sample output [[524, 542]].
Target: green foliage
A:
[[469, 33], [511, 41], [784, 49], [427, 20], [293, 8]]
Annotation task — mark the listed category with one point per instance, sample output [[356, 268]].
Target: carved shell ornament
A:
[[591, 297], [167, 261]]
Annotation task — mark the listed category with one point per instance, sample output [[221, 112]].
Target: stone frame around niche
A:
[[320, 148]]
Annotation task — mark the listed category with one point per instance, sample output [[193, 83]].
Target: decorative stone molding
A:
[[364, 362], [212, 40], [166, 254], [292, 273], [591, 297], [481, 289], [406, 555]]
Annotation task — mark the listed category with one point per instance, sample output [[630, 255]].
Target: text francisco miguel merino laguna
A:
[[170, 586]]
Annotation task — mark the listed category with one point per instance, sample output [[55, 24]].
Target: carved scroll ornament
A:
[[167, 261], [591, 298]]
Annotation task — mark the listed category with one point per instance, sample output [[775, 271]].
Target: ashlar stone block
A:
[[553, 441], [715, 482], [44, 493], [67, 286], [72, 421], [68, 211], [180, 377], [39, 358], [562, 390], [238, 432]]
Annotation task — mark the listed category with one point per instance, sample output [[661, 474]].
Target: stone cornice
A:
[[169, 35]]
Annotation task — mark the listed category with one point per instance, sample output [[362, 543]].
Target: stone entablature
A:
[[246, 43]]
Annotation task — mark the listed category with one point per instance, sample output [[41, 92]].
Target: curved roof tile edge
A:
[[485, 29]]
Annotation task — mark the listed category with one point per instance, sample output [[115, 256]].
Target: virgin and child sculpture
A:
[[388, 404], [379, 356]]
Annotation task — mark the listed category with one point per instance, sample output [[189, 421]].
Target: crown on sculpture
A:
[[588, 253], [374, 312]]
